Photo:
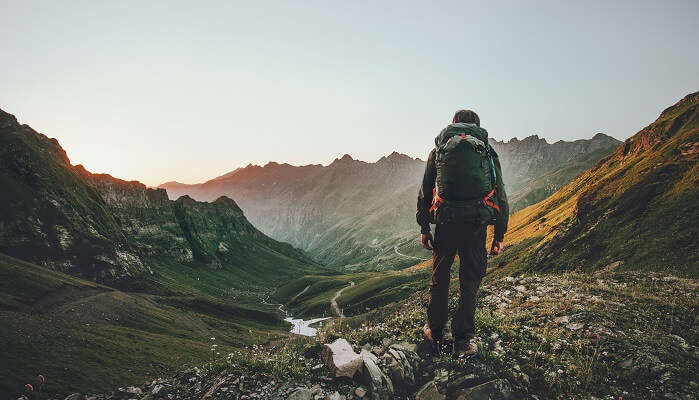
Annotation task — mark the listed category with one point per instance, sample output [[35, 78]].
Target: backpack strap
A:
[[487, 201], [493, 172], [436, 200]]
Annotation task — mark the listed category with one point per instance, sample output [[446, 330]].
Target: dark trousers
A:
[[469, 241]]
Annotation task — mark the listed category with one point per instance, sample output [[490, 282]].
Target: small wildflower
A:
[[597, 337], [41, 378], [29, 387]]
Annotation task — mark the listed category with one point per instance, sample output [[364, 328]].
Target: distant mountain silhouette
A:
[[361, 215]]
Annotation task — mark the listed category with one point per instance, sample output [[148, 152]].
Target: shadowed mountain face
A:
[[359, 215], [101, 228], [638, 205]]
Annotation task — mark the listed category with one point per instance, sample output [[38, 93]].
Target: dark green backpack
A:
[[465, 183]]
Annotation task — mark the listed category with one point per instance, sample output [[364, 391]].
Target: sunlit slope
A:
[[638, 205]]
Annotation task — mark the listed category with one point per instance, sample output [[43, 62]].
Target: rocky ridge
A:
[[570, 336], [106, 229]]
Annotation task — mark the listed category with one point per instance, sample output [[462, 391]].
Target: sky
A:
[[158, 91]]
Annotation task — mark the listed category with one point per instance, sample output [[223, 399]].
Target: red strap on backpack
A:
[[436, 200], [487, 201]]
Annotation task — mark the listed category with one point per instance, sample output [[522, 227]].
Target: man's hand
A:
[[427, 241], [496, 247]]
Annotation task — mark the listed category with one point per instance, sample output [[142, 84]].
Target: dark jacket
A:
[[424, 197]]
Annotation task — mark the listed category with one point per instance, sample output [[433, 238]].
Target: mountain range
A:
[[101, 228], [357, 215], [105, 282]]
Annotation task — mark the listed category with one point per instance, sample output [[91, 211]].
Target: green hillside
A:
[[544, 186], [105, 281], [117, 232], [637, 205], [84, 336]]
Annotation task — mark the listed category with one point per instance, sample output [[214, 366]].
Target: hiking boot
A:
[[434, 342], [463, 348]]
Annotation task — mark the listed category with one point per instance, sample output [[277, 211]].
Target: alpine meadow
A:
[[458, 201]]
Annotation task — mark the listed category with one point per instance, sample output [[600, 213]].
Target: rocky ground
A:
[[611, 335]]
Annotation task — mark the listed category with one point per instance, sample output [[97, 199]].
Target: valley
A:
[[108, 283], [353, 215]]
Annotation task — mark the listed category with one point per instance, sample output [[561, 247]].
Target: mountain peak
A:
[[395, 157], [343, 160]]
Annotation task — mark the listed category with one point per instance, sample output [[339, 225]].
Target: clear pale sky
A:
[[186, 91]]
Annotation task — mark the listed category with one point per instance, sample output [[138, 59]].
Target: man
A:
[[462, 192]]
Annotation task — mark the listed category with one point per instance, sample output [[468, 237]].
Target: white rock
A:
[[341, 359], [334, 396], [301, 394], [360, 392], [574, 326]]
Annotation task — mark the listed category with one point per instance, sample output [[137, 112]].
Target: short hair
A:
[[467, 116]]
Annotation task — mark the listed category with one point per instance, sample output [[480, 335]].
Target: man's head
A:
[[467, 116]]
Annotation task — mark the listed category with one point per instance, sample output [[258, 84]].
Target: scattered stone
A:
[[380, 385], [520, 288], [360, 392], [301, 394], [429, 391], [334, 396], [131, 390], [562, 320], [401, 364], [462, 381], [498, 389], [575, 326], [341, 359]]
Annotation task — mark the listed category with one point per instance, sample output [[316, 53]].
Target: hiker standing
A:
[[462, 192]]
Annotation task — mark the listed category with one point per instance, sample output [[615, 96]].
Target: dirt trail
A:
[[333, 302], [299, 294], [395, 249]]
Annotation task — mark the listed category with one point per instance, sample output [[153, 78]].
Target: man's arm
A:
[[424, 196], [504, 214]]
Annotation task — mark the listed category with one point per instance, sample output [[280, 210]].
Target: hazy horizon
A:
[[161, 91]]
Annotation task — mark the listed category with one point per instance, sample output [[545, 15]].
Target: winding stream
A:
[[300, 326]]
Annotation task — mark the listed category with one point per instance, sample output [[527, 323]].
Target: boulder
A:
[[301, 394], [334, 396], [401, 364], [498, 389], [380, 384], [341, 359], [429, 391], [360, 392]]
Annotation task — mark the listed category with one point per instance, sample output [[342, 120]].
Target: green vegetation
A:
[[637, 205], [311, 295], [547, 184], [85, 336]]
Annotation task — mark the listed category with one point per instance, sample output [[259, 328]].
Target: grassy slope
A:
[[371, 290], [86, 336], [637, 205], [542, 187]]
